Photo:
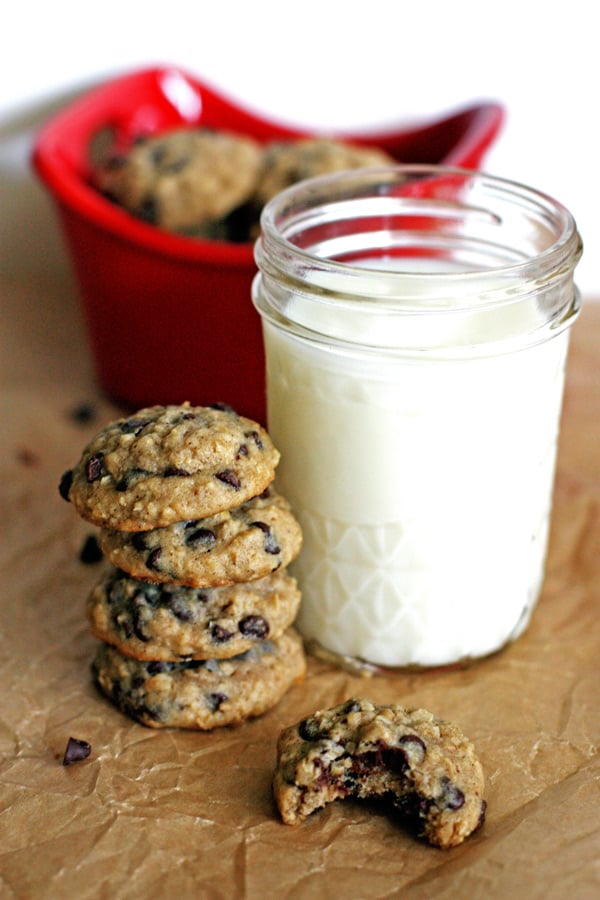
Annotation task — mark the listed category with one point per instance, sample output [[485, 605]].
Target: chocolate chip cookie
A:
[[201, 694], [287, 162], [170, 622], [361, 749], [240, 544], [169, 464], [184, 179]]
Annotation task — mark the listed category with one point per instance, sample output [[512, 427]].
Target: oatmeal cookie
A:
[[237, 545], [361, 749], [170, 622], [287, 162], [201, 694], [169, 464], [183, 179]]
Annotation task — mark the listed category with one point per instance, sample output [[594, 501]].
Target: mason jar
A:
[[416, 323]]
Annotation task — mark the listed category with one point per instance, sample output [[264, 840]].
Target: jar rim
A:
[[426, 190]]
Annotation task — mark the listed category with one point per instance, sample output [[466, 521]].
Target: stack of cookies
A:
[[194, 611]]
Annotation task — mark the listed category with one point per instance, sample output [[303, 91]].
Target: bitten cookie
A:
[[363, 750], [288, 162], [170, 622], [202, 694], [183, 179], [169, 464], [240, 544]]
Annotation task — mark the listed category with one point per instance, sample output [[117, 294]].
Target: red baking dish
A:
[[170, 317]]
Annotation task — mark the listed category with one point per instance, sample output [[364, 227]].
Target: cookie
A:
[[288, 162], [201, 694], [240, 544], [170, 622], [360, 749], [184, 179], [169, 464]]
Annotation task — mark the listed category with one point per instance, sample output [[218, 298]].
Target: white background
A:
[[324, 65]]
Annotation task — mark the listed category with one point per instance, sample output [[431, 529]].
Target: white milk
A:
[[423, 490]]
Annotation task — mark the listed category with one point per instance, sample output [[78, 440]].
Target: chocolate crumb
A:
[[83, 413], [76, 750], [27, 457], [65, 484], [90, 550]]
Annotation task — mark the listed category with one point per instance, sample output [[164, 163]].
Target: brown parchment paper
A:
[[168, 813]]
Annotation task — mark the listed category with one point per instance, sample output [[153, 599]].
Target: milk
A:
[[424, 492]]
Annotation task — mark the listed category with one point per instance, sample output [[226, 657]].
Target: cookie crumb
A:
[[75, 751], [27, 457], [90, 550], [83, 413]]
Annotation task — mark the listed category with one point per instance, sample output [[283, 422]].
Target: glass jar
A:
[[416, 323]]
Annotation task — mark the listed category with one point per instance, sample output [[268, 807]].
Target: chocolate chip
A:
[[254, 626], [271, 545], [133, 426], [215, 700], [157, 154], [148, 210], [414, 747], [255, 436], [124, 482], [452, 796], [201, 537], [394, 759], [65, 484], [309, 729], [173, 472], [230, 478], [75, 751], [220, 634], [153, 558], [223, 407], [243, 451], [90, 550], [94, 467], [137, 620], [180, 610], [383, 757], [175, 166]]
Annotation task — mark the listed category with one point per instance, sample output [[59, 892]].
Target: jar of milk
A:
[[416, 322]]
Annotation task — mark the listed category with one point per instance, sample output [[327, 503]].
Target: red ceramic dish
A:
[[170, 317]]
